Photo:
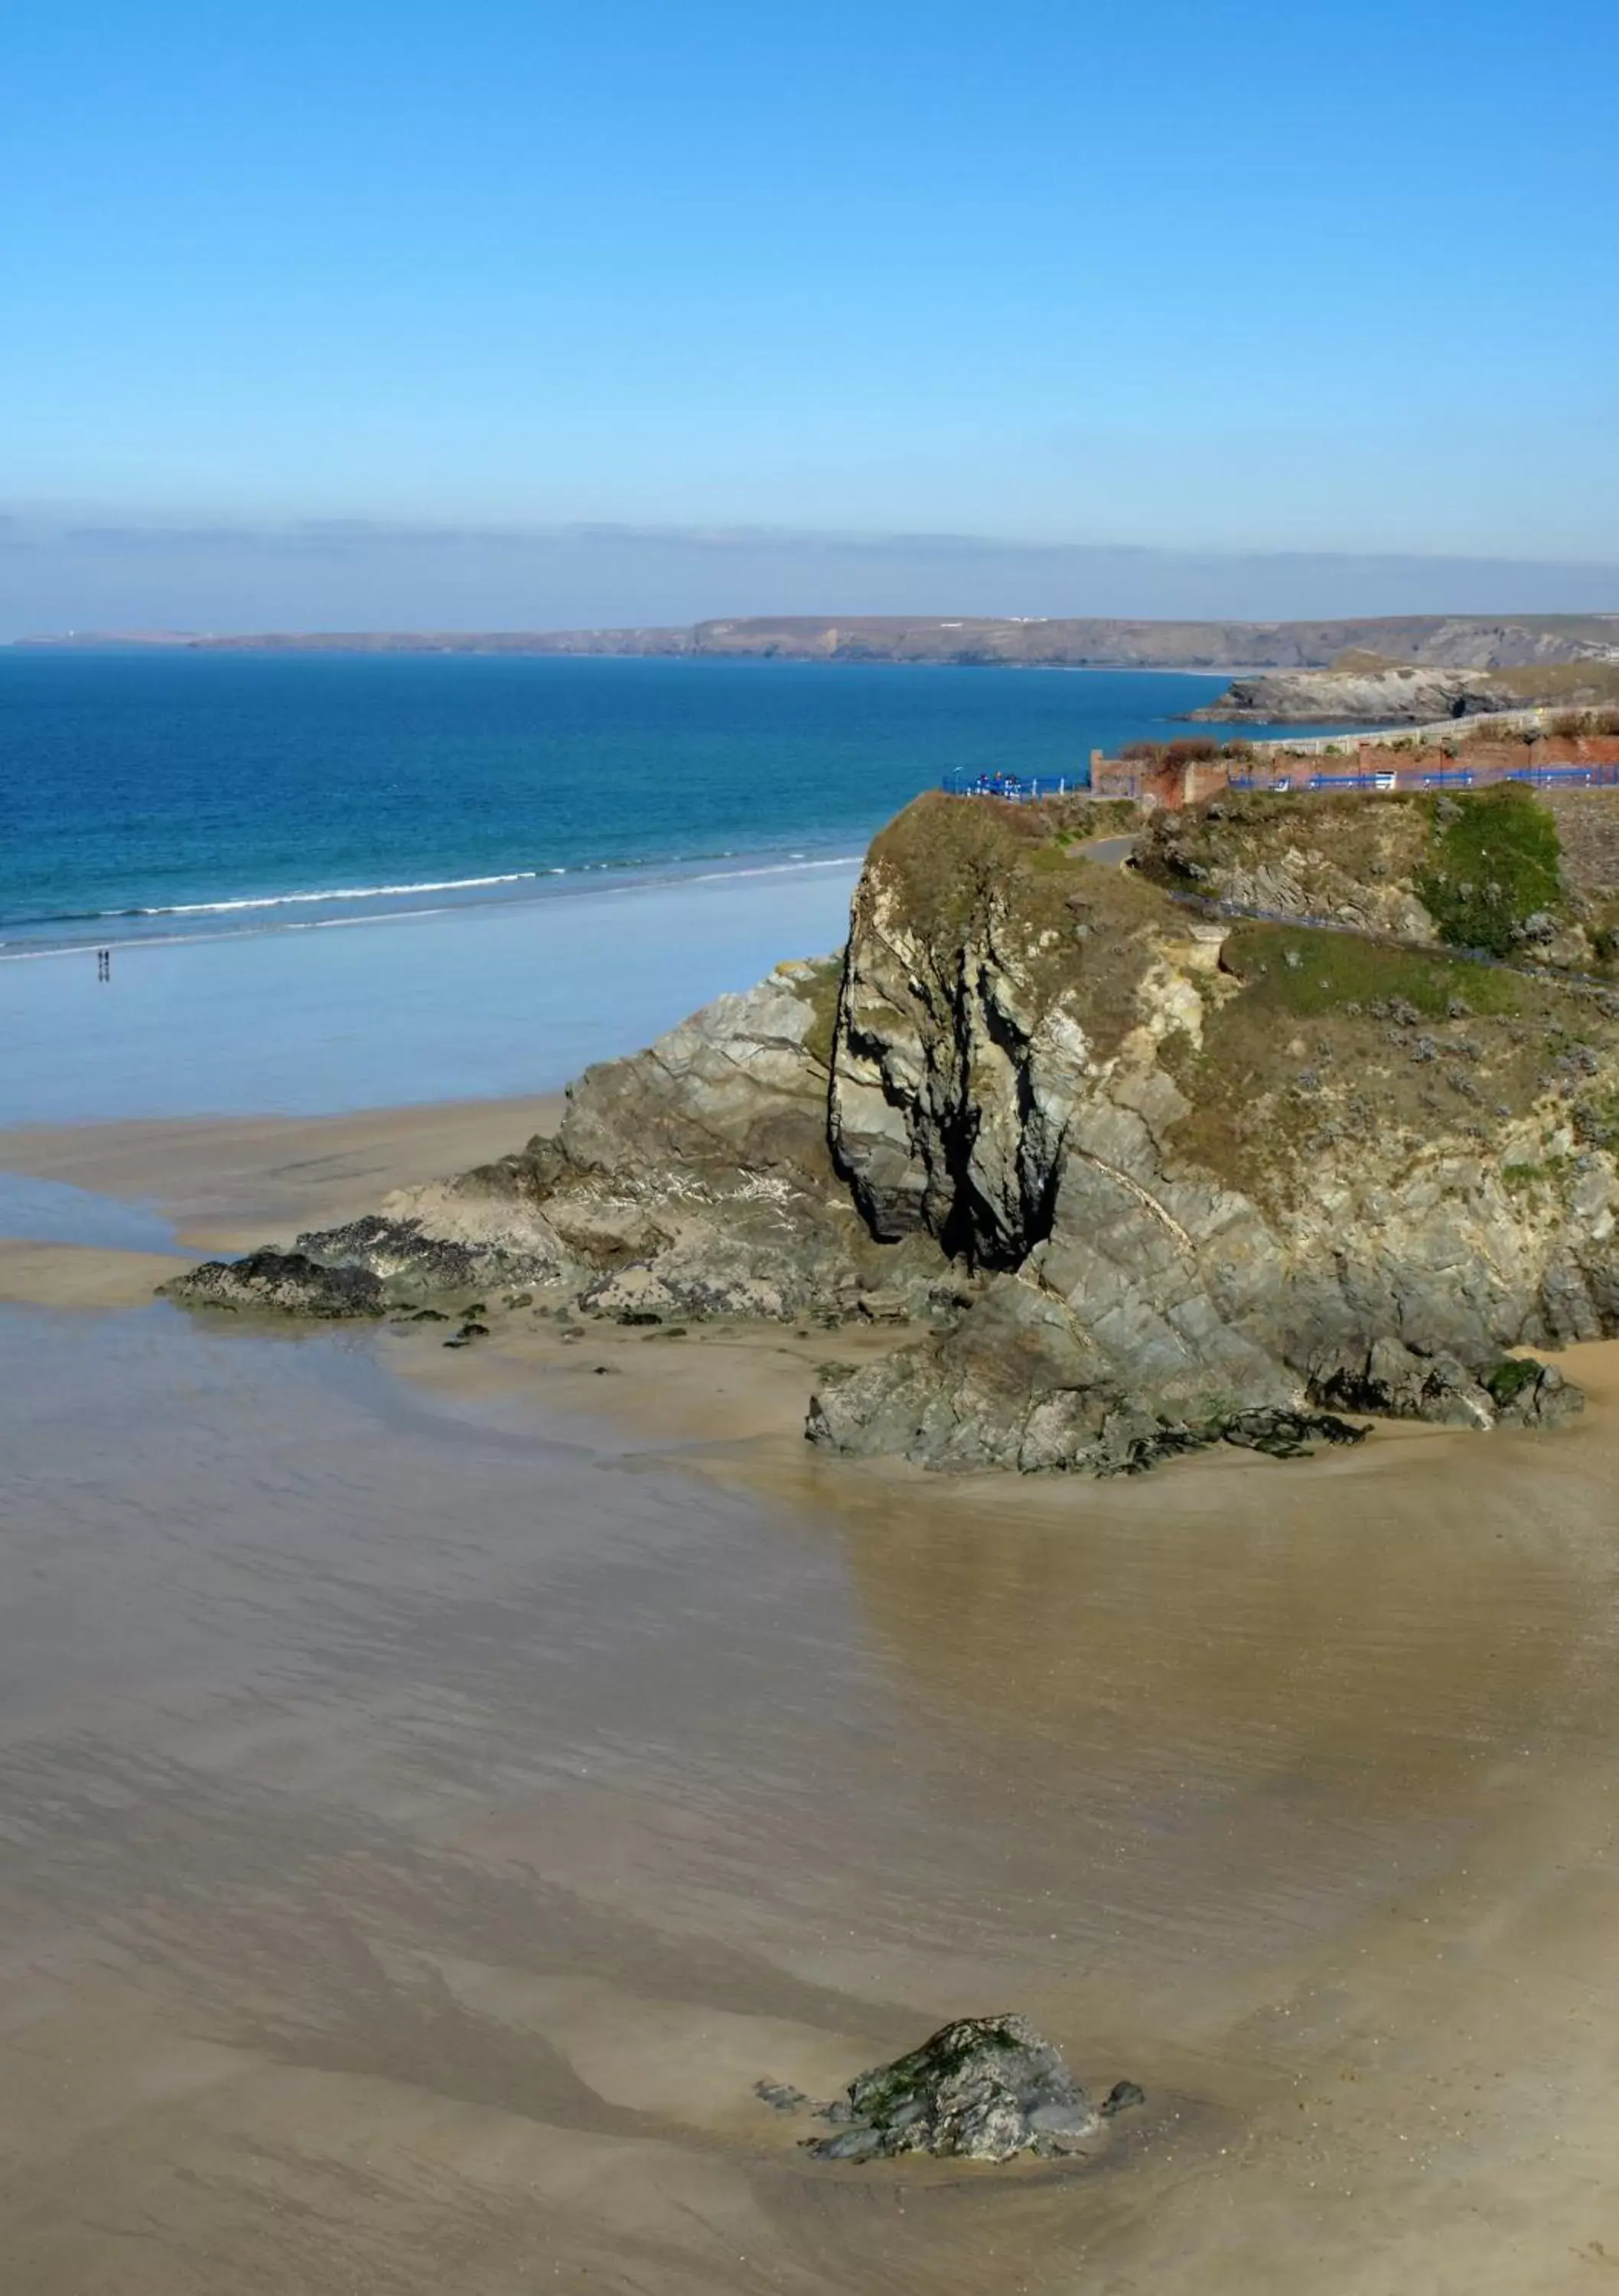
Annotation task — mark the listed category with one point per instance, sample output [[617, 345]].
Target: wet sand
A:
[[230, 1182], [435, 1787]]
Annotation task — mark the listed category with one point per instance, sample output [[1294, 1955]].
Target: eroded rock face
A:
[[689, 1181], [1303, 858], [1020, 1077], [983, 2089], [1394, 1383], [1020, 1383], [1139, 1182]]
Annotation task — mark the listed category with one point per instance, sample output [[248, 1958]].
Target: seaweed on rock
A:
[[981, 2089]]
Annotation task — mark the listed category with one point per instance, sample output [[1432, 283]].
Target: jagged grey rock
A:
[[285, 1282], [691, 1180], [1449, 678], [981, 2089]]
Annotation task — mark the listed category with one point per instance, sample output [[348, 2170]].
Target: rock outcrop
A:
[[983, 2089], [1389, 695], [1123, 1180], [1456, 669], [285, 1282], [691, 1181]]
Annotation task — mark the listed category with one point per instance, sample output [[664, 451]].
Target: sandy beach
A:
[[226, 1182], [441, 1784]]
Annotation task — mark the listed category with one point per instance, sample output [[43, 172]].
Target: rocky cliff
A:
[[1122, 1175], [1454, 641], [1461, 670], [1385, 695]]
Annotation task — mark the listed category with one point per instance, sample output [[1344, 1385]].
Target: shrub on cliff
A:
[[1185, 750], [1493, 864]]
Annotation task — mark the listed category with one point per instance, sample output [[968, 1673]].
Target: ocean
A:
[[341, 882], [145, 794]]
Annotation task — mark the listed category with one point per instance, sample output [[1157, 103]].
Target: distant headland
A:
[[1374, 668]]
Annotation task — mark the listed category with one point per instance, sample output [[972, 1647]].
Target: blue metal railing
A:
[[1383, 779], [1016, 788], [1445, 777], [1027, 789], [1580, 776]]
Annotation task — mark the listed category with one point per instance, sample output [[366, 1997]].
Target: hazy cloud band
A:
[[85, 571]]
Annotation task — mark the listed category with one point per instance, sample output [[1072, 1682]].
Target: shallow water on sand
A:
[[425, 1822], [475, 1004], [55, 1211]]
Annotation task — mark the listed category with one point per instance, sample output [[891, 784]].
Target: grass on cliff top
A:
[[960, 868], [1096, 817], [1363, 659], [1334, 1045], [1297, 973], [1558, 681], [1481, 862], [1493, 860]]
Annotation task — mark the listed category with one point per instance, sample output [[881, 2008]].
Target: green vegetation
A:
[[1596, 1119], [1303, 974], [1493, 862], [1100, 817], [818, 986], [1552, 1171], [1506, 1381], [1332, 1040]]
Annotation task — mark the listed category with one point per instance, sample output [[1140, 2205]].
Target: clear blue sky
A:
[[1217, 279]]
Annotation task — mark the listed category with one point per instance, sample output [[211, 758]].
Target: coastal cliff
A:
[[1385, 694], [1453, 642], [1123, 1175], [1460, 670]]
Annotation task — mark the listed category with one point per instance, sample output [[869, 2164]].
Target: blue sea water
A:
[[146, 793], [340, 883]]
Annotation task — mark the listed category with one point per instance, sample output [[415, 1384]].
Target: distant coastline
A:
[[1219, 648]]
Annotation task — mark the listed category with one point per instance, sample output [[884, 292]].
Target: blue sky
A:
[[1171, 278]]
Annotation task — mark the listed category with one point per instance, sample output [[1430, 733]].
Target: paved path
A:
[[1109, 852]]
